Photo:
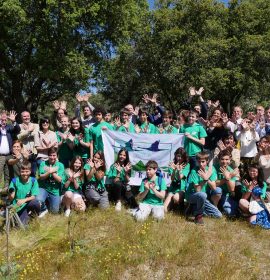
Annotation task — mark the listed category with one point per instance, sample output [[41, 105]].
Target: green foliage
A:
[[50, 48], [200, 43]]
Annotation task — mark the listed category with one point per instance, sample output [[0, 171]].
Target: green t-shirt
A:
[[113, 173], [64, 152], [264, 188], [178, 185], [151, 198], [23, 189], [71, 185], [95, 135], [197, 131], [220, 176], [147, 127], [195, 179], [122, 128], [100, 184], [80, 150], [169, 129], [49, 184]]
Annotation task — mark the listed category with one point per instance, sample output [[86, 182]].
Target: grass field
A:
[[111, 245]]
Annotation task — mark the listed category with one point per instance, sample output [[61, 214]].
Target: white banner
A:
[[141, 148]]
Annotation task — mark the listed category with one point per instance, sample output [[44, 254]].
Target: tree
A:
[[49, 47], [200, 43]]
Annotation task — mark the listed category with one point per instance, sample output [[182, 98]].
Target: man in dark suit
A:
[[7, 134]]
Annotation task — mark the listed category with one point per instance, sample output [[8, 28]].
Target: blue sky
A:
[[151, 3]]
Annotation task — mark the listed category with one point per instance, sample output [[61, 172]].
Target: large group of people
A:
[[223, 167]]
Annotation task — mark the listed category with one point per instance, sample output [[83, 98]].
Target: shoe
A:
[[199, 220], [67, 212], [43, 213], [118, 206]]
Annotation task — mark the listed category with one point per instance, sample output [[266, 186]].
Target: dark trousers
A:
[[31, 208]]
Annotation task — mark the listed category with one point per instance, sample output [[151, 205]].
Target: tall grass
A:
[[111, 245]]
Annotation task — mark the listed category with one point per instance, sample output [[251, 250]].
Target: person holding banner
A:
[[166, 127], [95, 131], [179, 170], [125, 125], [146, 126], [151, 194], [96, 192], [120, 173]]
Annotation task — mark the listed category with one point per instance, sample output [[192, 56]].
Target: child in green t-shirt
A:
[[124, 124], [120, 173], [64, 151], [224, 194], [151, 194], [195, 136], [72, 197], [166, 127], [146, 126], [23, 191], [179, 170], [201, 179], [95, 170], [79, 139]]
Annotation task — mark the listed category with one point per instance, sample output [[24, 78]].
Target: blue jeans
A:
[[228, 204], [54, 200], [202, 205]]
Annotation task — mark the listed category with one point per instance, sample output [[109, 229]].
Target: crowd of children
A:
[[222, 168]]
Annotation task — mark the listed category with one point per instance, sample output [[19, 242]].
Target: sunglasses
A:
[[45, 122]]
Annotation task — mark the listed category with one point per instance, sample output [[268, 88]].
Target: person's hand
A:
[[128, 167], [145, 98], [205, 174], [192, 91], [17, 154], [98, 163], [12, 116], [152, 186], [203, 121], [154, 99], [26, 154], [137, 129], [86, 96], [56, 105], [200, 91], [225, 172], [262, 124], [221, 145], [136, 111], [76, 175], [147, 185], [160, 129], [20, 202], [46, 144], [31, 127], [180, 167], [172, 165], [90, 162], [235, 173], [71, 137], [224, 118], [118, 167], [63, 105], [249, 185], [52, 144], [216, 103], [251, 116], [187, 134], [117, 121], [79, 97]]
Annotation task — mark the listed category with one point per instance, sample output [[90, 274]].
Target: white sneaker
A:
[[118, 206], [67, 212], [43, 213]]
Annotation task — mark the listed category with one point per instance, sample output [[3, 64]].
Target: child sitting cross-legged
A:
[[151, 194], [23, 191], [202, 179]]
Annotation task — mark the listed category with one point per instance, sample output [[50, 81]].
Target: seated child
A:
[[179, 171], [253, 180], [73, 186], [52, 173], [151, 194], [96, 192], [120, 173], [201, 179], [224, 194], [23, 191]]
